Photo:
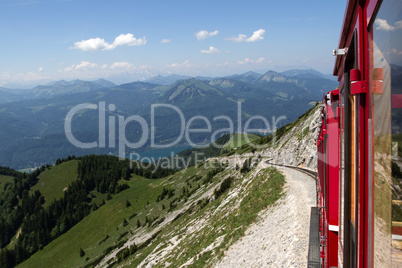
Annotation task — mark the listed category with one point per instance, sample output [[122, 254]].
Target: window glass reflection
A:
[[386, 99]]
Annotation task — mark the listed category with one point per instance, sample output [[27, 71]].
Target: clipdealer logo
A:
[[148, 129]]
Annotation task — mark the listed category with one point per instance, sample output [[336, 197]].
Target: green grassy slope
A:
[[91, 230], [238, 140], [103, 229], [107, 220], [54, 181], [3, 180]]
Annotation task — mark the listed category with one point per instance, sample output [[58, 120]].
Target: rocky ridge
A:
[[298, 146]]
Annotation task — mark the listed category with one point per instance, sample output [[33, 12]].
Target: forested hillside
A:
[[33, 225]]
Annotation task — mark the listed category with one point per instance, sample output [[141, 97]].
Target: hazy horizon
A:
[[45, 40]]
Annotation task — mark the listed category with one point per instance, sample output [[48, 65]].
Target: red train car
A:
[[328, 179], [360, 142]]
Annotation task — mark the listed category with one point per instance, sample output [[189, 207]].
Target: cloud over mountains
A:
[[257, 35], [201, 35], [96, 44], [211, 50]]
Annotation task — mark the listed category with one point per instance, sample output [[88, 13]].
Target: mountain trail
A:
[[279, 238]]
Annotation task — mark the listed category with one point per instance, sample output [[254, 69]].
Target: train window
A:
[[385, 125]]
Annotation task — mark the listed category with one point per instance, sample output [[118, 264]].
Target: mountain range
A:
[[34, 132]]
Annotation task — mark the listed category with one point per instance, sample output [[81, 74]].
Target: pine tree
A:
[[82, 253]]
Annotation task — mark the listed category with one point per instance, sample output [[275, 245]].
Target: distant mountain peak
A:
[[251, 73], [104, 82], [190, 89], [166, 80], [273, 76], [248, 77], [61, 83]]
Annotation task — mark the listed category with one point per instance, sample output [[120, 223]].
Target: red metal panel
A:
[[359, 87], [362, 130], [354, 75]]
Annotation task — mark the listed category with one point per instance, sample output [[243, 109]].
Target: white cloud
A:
[[96, 44], [256, 36], [6, 77], [211, 50], [124, 65], [128, 39], [89, 70], [382, 25], [40, 69], [186, 63], [90, 66], [201, 35], [165, 41], [248, 60], [239, 38], [84, 65], [260, 60], [395, 51], [92, 44]]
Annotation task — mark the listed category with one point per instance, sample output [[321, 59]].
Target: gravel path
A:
[[279, 238]]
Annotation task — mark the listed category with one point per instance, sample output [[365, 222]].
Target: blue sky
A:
[[68, 39]]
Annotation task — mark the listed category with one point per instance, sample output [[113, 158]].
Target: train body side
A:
[[359, 192], [328, 179]]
